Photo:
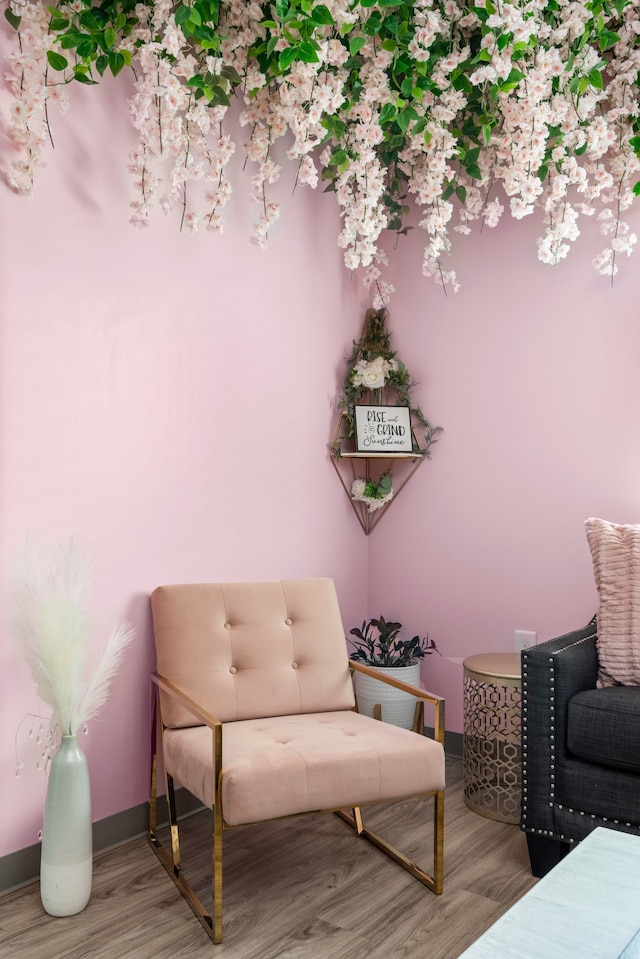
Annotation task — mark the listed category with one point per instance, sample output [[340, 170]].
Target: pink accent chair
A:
[[256, 717]]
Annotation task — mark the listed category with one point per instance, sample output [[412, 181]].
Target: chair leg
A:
[[545, 853], [173, 824], [185, 888], [438, 842], [433, 882], [217, 868], [172, 862]]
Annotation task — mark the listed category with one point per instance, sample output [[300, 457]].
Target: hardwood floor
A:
[[302, 889]]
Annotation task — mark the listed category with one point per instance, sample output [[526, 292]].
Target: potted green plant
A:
[[378, 644]]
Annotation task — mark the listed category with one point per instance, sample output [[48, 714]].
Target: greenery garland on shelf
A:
[[373, 369], [466, 108], [374, 493]]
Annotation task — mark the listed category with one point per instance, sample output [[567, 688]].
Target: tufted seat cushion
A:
[[292, 764], [603, 727]]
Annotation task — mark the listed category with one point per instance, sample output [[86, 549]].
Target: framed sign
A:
[[383, 429]]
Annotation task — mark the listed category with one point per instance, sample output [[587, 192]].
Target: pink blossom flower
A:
[[586, 159]]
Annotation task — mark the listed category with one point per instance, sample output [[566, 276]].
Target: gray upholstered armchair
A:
[[580, 748]]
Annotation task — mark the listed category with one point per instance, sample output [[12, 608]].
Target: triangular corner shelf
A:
[[350, 464]]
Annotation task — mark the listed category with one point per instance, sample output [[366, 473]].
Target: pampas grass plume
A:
[[52, 623]]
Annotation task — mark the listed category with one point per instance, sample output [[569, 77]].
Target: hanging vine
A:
[[463, 108]]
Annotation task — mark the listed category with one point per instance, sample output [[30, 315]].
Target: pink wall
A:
[[533, 373], [168, 399]]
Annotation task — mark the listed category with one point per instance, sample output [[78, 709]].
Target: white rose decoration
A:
[[371, 375]]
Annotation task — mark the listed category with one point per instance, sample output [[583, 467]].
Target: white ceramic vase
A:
[[397, 707], [66, 862]]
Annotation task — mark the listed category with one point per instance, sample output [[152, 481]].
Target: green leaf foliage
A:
[[12, 18], [321, 15], [56, 60], [378, 643], [182, 14], [116, 62]]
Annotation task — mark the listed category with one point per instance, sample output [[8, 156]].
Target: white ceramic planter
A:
[[398, 708]]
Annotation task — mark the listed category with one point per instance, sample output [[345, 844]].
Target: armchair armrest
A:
[[172, 690], [552, 673], [436, 701]]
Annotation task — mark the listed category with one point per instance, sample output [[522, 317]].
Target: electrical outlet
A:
[[525, 639]]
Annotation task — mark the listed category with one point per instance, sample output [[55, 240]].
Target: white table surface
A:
[[587, 907]]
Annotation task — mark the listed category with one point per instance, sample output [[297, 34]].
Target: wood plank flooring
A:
[[302, 889]]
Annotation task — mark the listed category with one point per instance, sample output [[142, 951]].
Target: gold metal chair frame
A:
[[171, 861]]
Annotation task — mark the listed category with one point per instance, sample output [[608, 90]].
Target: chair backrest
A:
[[247, 650]]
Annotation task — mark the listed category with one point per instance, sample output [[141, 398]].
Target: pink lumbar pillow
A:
[[615, 550]]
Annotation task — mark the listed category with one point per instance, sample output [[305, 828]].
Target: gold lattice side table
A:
[[491, 742]]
